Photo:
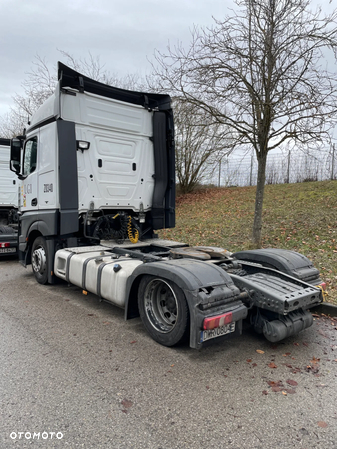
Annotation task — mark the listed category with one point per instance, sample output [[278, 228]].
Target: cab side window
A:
[[29, 159]]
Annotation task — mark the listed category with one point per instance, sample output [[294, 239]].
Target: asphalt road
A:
[[74, 374]]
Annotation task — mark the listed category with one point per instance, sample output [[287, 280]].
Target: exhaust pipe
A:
[[287, 326]]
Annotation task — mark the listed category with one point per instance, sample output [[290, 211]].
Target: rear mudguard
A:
[[289, 262], [208, 289]]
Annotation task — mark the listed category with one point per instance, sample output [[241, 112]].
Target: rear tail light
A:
[[217, 321], [5, 245]]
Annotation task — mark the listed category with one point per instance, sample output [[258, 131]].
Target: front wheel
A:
[[40, 260], [163, 310]]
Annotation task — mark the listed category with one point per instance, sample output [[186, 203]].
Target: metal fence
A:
[[283, 168]]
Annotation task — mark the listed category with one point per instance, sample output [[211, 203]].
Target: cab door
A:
[[29, 185]]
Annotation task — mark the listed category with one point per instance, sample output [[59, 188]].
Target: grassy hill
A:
[[300, 217]]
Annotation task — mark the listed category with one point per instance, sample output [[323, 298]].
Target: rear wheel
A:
[[40, 260], [163, 310]]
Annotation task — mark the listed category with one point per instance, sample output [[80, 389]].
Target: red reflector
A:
[[217, 321], [5, 245], [322, 285]]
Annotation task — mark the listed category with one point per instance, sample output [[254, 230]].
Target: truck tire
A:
[[6, 230], [163, 310], [40, 260]]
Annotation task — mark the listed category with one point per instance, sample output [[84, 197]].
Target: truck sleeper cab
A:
[[93, 156]]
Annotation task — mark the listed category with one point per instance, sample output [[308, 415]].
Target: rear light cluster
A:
[[5, 245], [217, 321]]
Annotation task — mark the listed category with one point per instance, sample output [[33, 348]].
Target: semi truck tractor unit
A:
[[8, 202], [97, 180]]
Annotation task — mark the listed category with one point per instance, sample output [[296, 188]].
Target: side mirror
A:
[[15, 160]]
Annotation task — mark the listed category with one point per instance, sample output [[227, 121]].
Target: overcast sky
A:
[[122, 33]]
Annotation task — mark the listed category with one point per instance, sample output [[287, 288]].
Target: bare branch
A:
[[261, 73]]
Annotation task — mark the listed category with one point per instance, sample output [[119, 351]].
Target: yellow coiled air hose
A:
[[132, 234]]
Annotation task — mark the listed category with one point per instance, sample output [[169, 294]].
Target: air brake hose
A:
[[132, 234]]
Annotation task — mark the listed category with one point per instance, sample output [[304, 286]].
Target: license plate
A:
[[218, 332], [7, 250]]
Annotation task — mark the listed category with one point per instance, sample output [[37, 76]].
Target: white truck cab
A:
[[8, 202], [8, 181], [96, 162]]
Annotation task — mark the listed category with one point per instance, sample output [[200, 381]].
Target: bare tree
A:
[[199, 142], [11, 125], [263, 73]]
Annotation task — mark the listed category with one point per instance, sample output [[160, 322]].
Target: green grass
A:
[[300, 217]]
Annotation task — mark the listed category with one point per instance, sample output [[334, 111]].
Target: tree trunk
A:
[[261, 179]]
